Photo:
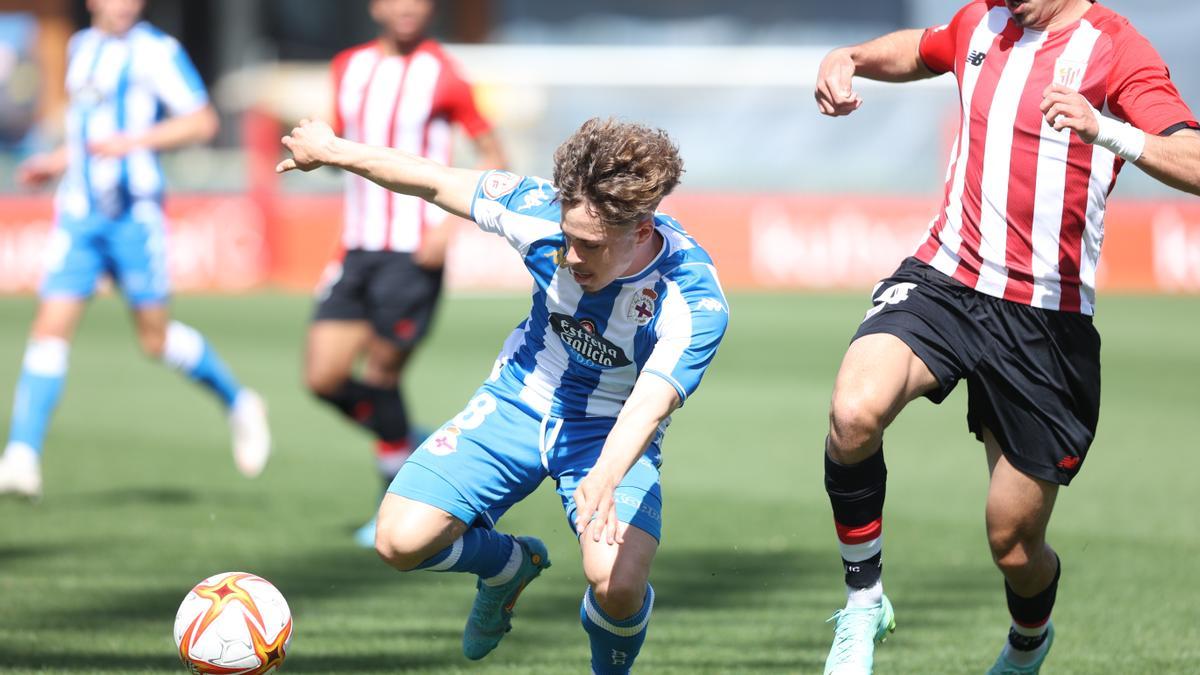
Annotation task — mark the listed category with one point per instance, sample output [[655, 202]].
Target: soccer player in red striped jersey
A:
[[377, 298], [1057, 95]]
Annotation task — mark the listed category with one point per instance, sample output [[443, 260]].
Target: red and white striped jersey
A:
[[1023, 215], [404, 101]]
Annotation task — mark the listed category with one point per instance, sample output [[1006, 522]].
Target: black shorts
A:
[[1033, 375], [386, 288]]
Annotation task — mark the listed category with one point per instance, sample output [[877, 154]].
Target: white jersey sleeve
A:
[[692, 321], [523, 210], [174, 78]]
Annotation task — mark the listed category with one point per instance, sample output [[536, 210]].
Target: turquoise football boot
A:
[[491, 616], [854, 638], [1005, 667]]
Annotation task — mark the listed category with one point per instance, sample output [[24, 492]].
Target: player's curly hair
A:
[[621, 169]]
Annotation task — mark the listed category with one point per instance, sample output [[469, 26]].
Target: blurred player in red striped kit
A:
[[377, 299], [1057, 95]]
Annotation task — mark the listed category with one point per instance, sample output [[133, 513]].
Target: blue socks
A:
[[187, 351], [494, 556], [615, 643], [42, 375]]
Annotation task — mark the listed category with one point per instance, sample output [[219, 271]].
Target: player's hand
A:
[[835, 85], [431, 255], [113, 147], [39, 170], [311, 144], [1065, 108], [595, 509]]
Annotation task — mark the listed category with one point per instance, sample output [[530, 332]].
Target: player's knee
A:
[[322, 384], [396, 549], [152, 342], [619, 597], [1014, 549], [854, 426]]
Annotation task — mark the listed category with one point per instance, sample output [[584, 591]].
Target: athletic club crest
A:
[[641, 308], [1069, 73]]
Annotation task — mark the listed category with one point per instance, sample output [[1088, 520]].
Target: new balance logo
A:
[[976, 58], [1069, 463]]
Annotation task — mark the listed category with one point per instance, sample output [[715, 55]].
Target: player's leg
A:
[[136, 248], [917, 340], [383, 370], [616, 606], [43, 373], [1018, 512], [473, 469], [401, 300], [73, 265]]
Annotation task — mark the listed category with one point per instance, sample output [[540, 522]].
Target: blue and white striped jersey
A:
[[121, 84], [579, 354]]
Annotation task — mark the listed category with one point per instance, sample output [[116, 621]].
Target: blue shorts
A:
[[495, 453], [130, 248]]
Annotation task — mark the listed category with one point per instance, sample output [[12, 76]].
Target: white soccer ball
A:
[[233, 624]]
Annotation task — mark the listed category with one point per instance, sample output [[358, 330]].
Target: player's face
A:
[[115, 16], [402, 20], [596, 254], [1037, 14]]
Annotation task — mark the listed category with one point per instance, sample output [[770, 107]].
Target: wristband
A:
[[1125, 140]]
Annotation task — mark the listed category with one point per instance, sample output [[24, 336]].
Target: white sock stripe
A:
[[597, 617], [183, 347], [861, 552], [46, 357], [1030, 632], [510, 568], [456, 550]]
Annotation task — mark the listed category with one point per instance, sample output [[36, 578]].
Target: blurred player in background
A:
[[627, 315], [377, 300], [122, 74], [1002, 291]]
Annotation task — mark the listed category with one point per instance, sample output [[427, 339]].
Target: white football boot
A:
[[251, 434], [21, 471]]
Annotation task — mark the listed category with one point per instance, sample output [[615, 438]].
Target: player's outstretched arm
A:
[[313, 144], [1174, 159], [894, 57], [42, 168], [652, 400], [198, 126]]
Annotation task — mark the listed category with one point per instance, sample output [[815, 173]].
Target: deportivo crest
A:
[[444, 442], [641, 307], [586, 346], [499, 183]]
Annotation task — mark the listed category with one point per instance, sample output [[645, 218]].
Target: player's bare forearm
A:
[[652, 400], [1174, 159], [42, 168], [894, 57], [490, 152], [313, 144], [192, 128]]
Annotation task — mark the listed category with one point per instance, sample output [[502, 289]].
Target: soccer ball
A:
[[233, 624]]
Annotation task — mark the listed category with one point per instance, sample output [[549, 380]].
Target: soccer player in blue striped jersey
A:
[[133, 93], [627, 315]]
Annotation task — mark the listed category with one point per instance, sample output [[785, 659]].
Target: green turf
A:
[[142, 501]]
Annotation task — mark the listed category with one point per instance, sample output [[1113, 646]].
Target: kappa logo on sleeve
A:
[[499, 183], [710, 305], [535, 198]]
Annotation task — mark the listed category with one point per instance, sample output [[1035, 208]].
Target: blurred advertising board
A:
[[759, 241]]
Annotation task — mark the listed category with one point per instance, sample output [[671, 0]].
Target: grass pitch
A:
[[142, 501]]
